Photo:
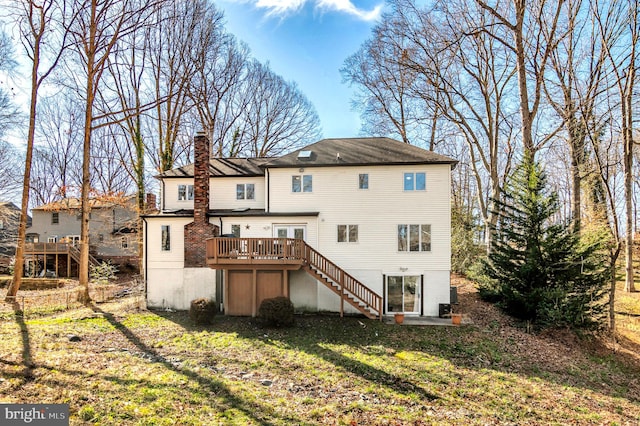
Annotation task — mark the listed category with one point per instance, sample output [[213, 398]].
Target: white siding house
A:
[[377, 208]]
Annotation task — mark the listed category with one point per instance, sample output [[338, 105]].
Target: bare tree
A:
[[58, 156], [39, 24], [9, 114], [10, 179], [219, 91], [618, 27], [466, 79], [529, 29], [175, 49], [100, 25], [278, 117], [384, 85]]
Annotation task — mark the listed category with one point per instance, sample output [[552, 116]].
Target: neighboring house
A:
[[342, 225], [112, 228], [9, 221]]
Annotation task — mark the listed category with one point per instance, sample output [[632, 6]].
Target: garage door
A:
[[240, 295]]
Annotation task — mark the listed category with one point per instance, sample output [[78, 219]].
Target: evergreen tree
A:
[[539, 269]]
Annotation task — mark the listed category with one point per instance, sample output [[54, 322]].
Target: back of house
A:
[[372, 213]]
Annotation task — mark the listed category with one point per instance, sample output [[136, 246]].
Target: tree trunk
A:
[[26, 182], [83, 268]]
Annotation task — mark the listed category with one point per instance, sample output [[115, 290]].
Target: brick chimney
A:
[[197, 232], [150, 205]]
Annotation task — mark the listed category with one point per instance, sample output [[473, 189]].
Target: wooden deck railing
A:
[[227, 251], [254, 250], [57, 248]]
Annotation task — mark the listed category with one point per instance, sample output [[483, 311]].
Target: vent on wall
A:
[[305, 155]]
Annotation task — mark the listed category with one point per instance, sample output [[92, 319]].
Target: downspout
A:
[[144, 275], [163, 196], [268, 190]]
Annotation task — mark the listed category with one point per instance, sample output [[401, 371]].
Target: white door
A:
[[290, 231]]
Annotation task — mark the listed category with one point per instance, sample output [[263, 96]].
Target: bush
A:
[[277, 312], [202, 311], [103, 272]]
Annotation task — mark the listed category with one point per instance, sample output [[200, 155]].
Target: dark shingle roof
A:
[[219, 167], [359, 152], [229, 213]]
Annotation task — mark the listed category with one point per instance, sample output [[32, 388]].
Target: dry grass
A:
[[136, 367]]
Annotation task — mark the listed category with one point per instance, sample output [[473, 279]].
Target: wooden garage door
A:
[[240, 290], [239, 293], [269, 285]]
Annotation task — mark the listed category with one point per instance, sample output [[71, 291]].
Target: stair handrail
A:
[[344, 280]]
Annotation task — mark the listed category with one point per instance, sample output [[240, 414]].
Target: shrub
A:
[[202, 311], [277, 312], [103, 272]]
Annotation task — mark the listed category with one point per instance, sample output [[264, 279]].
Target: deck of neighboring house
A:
[[53, 259], [251, 267]]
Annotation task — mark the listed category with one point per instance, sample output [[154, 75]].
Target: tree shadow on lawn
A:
[[465, 347], [26, 374], [252, 410]]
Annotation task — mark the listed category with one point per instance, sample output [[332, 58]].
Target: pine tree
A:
[[539, 269]]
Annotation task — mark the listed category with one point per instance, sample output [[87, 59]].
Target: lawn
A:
[[137, 367]]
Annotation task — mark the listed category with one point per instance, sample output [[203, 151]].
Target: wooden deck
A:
[[62, 258], [281, 253], [260, 254]]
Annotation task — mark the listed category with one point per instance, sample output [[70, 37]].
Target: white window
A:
[[415, 182], [235, 230], [347, 233], [55, 218], [166, 238], [301, 183], [245, 191], [185, 192], [414, 237], [363, 181], [53, 239]]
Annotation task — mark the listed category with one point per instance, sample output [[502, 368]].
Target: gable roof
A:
[[219, 167], [70, 203], [358, 152]]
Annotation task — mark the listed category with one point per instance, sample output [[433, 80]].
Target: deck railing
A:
[[227, 251]]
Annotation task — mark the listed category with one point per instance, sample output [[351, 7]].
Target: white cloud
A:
[[350, 8], [286, 7], [280, 7]]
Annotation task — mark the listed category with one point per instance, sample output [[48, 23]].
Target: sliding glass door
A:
[[403, 294]]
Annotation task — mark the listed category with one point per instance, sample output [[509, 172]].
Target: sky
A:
[[307, 41]]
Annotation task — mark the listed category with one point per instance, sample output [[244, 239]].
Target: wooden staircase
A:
[[343, 284], [75, 255], [289, 253]]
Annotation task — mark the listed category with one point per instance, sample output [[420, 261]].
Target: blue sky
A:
[[307, 41]]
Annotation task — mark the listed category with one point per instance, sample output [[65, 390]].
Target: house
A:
[[113, 231], [342, 225], [9, 222]]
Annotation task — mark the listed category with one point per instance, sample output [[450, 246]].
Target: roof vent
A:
[[305, 155]]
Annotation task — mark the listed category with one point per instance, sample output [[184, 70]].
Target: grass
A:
[[137, 367]]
